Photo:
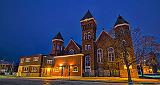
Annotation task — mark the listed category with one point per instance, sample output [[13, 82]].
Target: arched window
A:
[[99, 55], [111, 56], [71, 51], [89, 35], [57, 47], [87, 63], [87, 60], [85, 36]]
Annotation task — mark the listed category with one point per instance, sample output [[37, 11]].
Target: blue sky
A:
[[27, 26]]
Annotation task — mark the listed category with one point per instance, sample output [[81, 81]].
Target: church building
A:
[[101, 56]]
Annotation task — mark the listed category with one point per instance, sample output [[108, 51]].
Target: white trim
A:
[[73, 42], [87, 19], [101, 34], [69, 55], [121, 25], [57, 40]]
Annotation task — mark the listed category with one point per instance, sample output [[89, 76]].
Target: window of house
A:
[[56, 69], [87, 47], [87, 60], [85, 36], [28, 59], [57, 47], [22, 60], [121, 30], [89, 35], [75, 69], [99, 55], [71, 51], [111, 56], [26, 69], [49, 61], [61, 48], [35, 58], [34, 69]]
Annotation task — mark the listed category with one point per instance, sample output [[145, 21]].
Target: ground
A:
[[74, 81]]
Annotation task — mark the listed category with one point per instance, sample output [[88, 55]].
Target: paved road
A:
[[55, 82]]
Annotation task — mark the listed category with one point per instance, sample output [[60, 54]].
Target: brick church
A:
[[100, 56]]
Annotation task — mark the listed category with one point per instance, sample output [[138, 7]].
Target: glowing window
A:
[[35, 58], [49, 61], [28, 59], [75, 69], [56, 69], [34, 69], [22, 60]]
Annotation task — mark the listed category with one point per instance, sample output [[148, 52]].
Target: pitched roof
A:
[[103, 32], [87, 15], [120, 20], [78, 45], [58, 36], [4, 62]]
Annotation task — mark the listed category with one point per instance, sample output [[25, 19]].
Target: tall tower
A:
[[57, 45], [123, 34], [88, 25]]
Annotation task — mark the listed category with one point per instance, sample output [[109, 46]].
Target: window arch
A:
[[71, 51], [89, 35], [85, 36], [111, 56], [99, 55]]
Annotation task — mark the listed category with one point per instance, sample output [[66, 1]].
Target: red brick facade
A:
[[101, 56]]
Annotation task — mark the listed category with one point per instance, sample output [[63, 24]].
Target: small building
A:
[[6, 68], [30, 66], [63, 66]]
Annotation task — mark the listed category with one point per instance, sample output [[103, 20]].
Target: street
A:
[[21, 81]]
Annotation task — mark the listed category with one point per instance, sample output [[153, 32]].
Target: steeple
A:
[[87, 15], [120, 20], [58, 36]]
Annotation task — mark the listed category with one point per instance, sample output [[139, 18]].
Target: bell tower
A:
[[88, 25], [123, 34], [57, 45]]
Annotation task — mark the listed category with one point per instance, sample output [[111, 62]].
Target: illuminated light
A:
[[48, 69], [60, 67], [130, 67], [60, 64], [69, 55], [57, 40], [87, 19], [121, 25]]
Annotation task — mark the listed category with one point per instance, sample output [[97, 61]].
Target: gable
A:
[[104, 36], [72, 45]]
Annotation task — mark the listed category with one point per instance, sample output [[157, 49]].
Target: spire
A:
[[87, 15], [120, 20], [58, 36]]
